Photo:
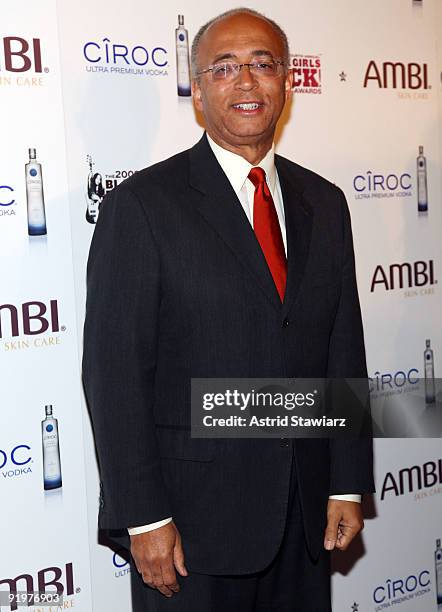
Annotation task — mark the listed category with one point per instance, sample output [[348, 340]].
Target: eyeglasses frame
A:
[[240, 66]]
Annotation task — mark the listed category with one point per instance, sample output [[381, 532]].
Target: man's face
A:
[[242, 38]]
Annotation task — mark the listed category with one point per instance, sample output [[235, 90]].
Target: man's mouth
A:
[[247, 106]]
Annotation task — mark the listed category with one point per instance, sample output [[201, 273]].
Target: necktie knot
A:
[[258, 176]]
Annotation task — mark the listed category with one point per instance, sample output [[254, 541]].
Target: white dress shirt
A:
[[237, 169]]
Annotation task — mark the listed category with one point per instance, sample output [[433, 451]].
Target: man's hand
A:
[[344, 521], [156, 554]]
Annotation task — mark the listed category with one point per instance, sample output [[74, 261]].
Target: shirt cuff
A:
[[149, 527], [349, 497]]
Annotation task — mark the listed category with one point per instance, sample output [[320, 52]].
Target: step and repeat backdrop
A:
[[91, 92]]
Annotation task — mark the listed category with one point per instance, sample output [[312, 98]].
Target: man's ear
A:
[[196, 94], [289, 83]]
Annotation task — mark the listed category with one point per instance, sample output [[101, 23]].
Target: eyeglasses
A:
[[228, 71]]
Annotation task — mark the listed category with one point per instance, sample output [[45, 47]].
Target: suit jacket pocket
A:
[[177, 443]]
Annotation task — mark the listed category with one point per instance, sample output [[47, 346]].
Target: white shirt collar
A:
[[237, 168]]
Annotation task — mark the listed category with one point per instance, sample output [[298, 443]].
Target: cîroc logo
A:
[[395, 591], [306, 73], [121, 564], [117, 58], [400, 275], [60, 578], [397, 75], [378, 185], [7, 201], [6, 196], [387, 381], [15, 462]]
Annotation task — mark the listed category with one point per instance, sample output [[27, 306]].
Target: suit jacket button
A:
[[285, 323]]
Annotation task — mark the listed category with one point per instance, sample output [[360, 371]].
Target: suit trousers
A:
[[293, 582]]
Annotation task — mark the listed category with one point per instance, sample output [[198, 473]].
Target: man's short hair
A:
[[230, 13]]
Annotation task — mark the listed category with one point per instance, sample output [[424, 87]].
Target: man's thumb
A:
[[178, 557], [331, 533]]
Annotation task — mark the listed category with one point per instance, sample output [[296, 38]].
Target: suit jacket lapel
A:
[[299, 220], [221, 208]]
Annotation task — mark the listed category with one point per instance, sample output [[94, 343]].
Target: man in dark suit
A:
[[226, 261]]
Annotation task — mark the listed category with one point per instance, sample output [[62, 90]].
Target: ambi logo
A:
[[33, 319], [108, 57], [409, 80], [399, 275], [20, 55], [7, 201], [48, 580], [21, 62], [412, 479], [379, 185], [16, 461], [396, 75]]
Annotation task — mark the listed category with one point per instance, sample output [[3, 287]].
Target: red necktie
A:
[[268, 230]]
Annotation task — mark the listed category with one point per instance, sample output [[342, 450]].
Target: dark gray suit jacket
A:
[[179, 288]]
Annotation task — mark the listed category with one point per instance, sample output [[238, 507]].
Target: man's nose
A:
[[246, 79]]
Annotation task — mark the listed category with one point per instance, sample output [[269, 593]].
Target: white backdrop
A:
[[81, 107]]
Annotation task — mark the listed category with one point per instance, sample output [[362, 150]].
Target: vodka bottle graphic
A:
[[422, 191], [182, 58], [51, 451], [35, 197], [430, 394], [438, 571]]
